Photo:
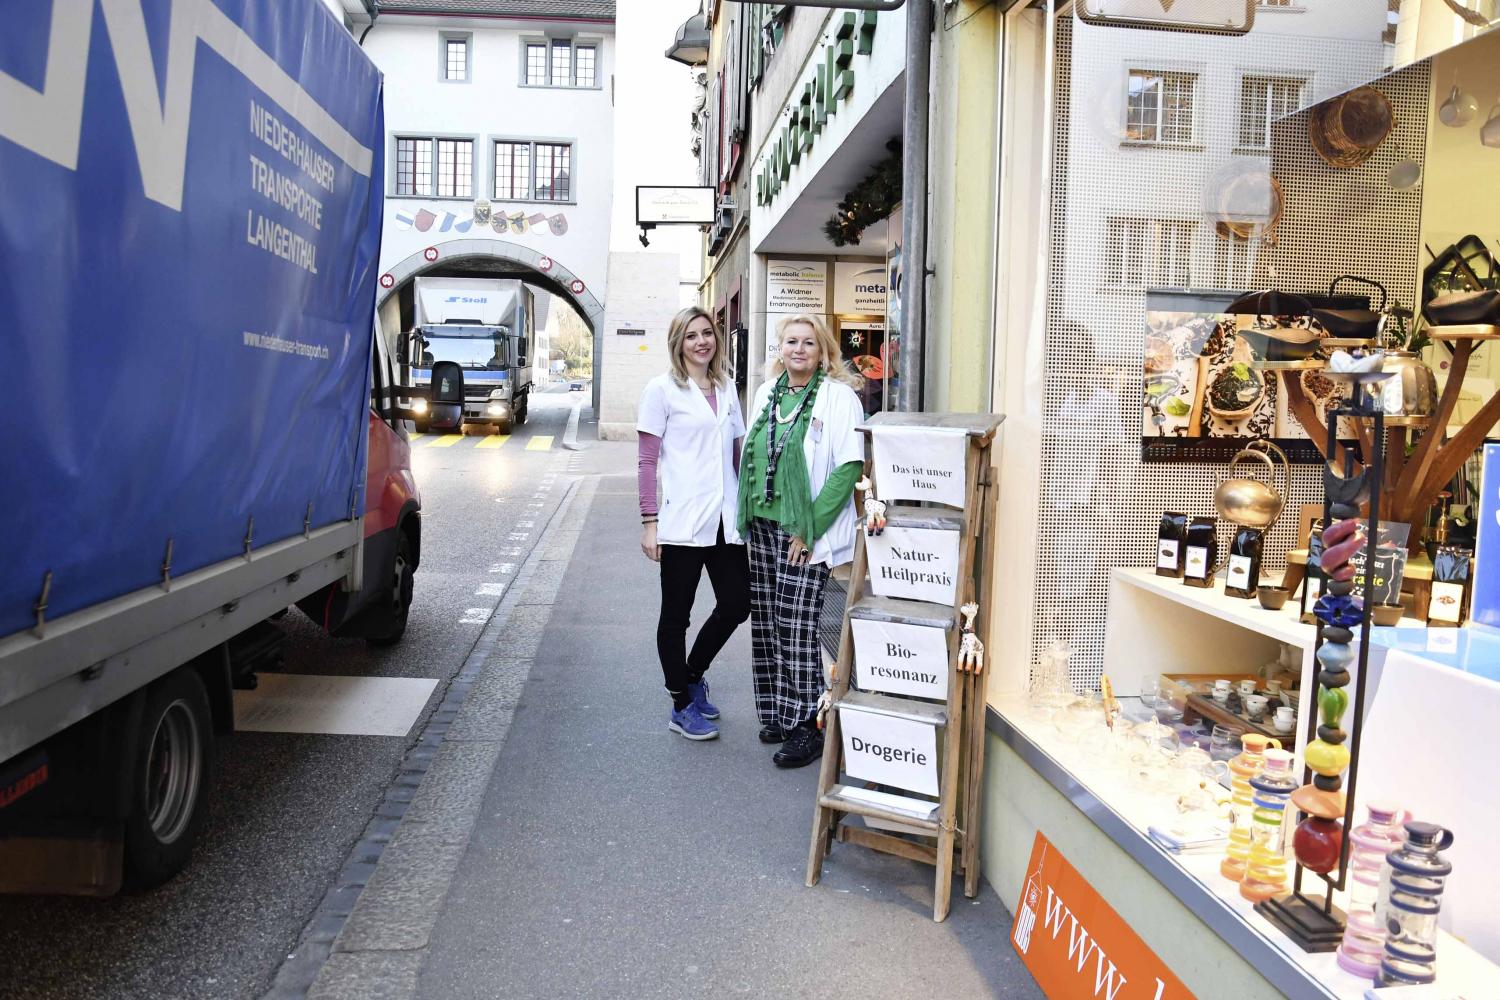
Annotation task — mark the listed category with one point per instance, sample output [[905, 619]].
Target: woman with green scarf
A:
[[802, 458]]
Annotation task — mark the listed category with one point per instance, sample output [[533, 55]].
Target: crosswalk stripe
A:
[[494, 441], [540, 442], [446, 441]]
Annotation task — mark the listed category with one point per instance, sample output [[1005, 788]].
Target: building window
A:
[[536, 64], [413, 166], [533, 171], [456, 57], [1159, 107], [1273, 3], [1264, 100], [583, 63], [561, 62], [512, 171], [1148, 253], [554, 169]]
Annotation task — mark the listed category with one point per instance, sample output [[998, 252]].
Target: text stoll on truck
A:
[[485, 325], [189, 232]]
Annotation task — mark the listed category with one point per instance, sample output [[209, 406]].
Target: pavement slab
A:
[[611, 858]]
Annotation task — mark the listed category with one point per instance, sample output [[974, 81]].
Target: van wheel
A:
[[390, 613], [168, 780]]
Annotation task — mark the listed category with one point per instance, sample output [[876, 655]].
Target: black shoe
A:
[[772, 733], [803, 746]]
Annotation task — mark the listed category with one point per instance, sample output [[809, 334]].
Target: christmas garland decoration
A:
[[870, 201]]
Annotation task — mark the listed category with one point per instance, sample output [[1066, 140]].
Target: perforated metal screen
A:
[[1100, 505]]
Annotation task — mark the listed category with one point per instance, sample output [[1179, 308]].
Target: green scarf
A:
[[791, 472]]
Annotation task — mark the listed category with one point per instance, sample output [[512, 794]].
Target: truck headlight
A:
[[496, 409], [419, 406]]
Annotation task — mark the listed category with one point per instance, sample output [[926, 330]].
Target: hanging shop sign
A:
[[921, 463], [888, 750], [665, 206], [819, 96], [1221, 17], [1075, 944], [917, 563], [1485, 607], [859, 287], [796, 286], [899, 658]]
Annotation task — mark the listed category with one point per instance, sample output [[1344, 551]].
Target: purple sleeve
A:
[[648, 450]]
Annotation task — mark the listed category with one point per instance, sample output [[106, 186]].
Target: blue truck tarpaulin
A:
[[190, 196]]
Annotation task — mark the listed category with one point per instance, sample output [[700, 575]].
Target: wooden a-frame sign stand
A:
[[919, 828]]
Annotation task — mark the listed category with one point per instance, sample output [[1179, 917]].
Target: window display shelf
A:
[[1124, 813]]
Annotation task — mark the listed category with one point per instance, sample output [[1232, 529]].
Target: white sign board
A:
[[859, 287], [898, 658], [1231, 17], [796, 286], [889, 751], [665, 206], [916, 563], [920, 463]]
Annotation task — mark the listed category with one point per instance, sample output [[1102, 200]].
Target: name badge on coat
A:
[[817, 429]]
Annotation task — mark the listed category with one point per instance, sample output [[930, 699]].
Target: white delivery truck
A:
[[486, 325]]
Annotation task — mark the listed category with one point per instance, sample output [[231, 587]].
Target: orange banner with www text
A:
[[1076, 945]]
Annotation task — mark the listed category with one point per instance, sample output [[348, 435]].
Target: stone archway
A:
[[550, 273], [542, 269]]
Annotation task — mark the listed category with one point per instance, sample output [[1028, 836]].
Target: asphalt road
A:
[[285, 809]]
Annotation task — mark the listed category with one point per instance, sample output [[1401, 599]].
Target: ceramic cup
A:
[[1221, 691], [1272, 598], [1489, 132], [1246, 687], [1273, 689], [1255, 706], [1459, 109], [1286, 719], [1405, 174]]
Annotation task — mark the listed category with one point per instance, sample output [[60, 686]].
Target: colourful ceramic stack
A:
[[1411, 894], [1370, 842], [1265, 874], [1242, 767]]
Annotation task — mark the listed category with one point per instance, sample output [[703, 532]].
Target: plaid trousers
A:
[[785, 602]]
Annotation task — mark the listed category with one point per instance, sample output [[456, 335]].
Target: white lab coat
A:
[[699, 488], [830, 442]]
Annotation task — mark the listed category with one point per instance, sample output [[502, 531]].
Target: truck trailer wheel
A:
[[391, 611], [168, 779]]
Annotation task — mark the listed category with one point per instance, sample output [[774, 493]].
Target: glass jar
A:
[[1411, 891], [1369, 843], [1265, 870], [1242, 767]]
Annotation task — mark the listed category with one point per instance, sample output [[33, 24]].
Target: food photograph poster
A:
[[1206, 373]]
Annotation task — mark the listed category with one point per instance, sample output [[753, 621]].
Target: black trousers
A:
[[682, 567]]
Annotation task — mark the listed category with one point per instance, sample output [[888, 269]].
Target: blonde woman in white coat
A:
[[802, 458], [690, 428]]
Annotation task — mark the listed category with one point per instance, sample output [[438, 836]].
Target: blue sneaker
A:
[[699, 693], [691, 724]]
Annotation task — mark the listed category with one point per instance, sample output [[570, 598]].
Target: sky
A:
[[653, 122]]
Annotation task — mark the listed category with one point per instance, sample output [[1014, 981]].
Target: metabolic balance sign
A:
[[1076, 945]]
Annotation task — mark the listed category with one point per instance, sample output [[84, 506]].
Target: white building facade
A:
[[499, 143]]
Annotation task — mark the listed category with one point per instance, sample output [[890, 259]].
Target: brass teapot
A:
[[1249, 501]]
